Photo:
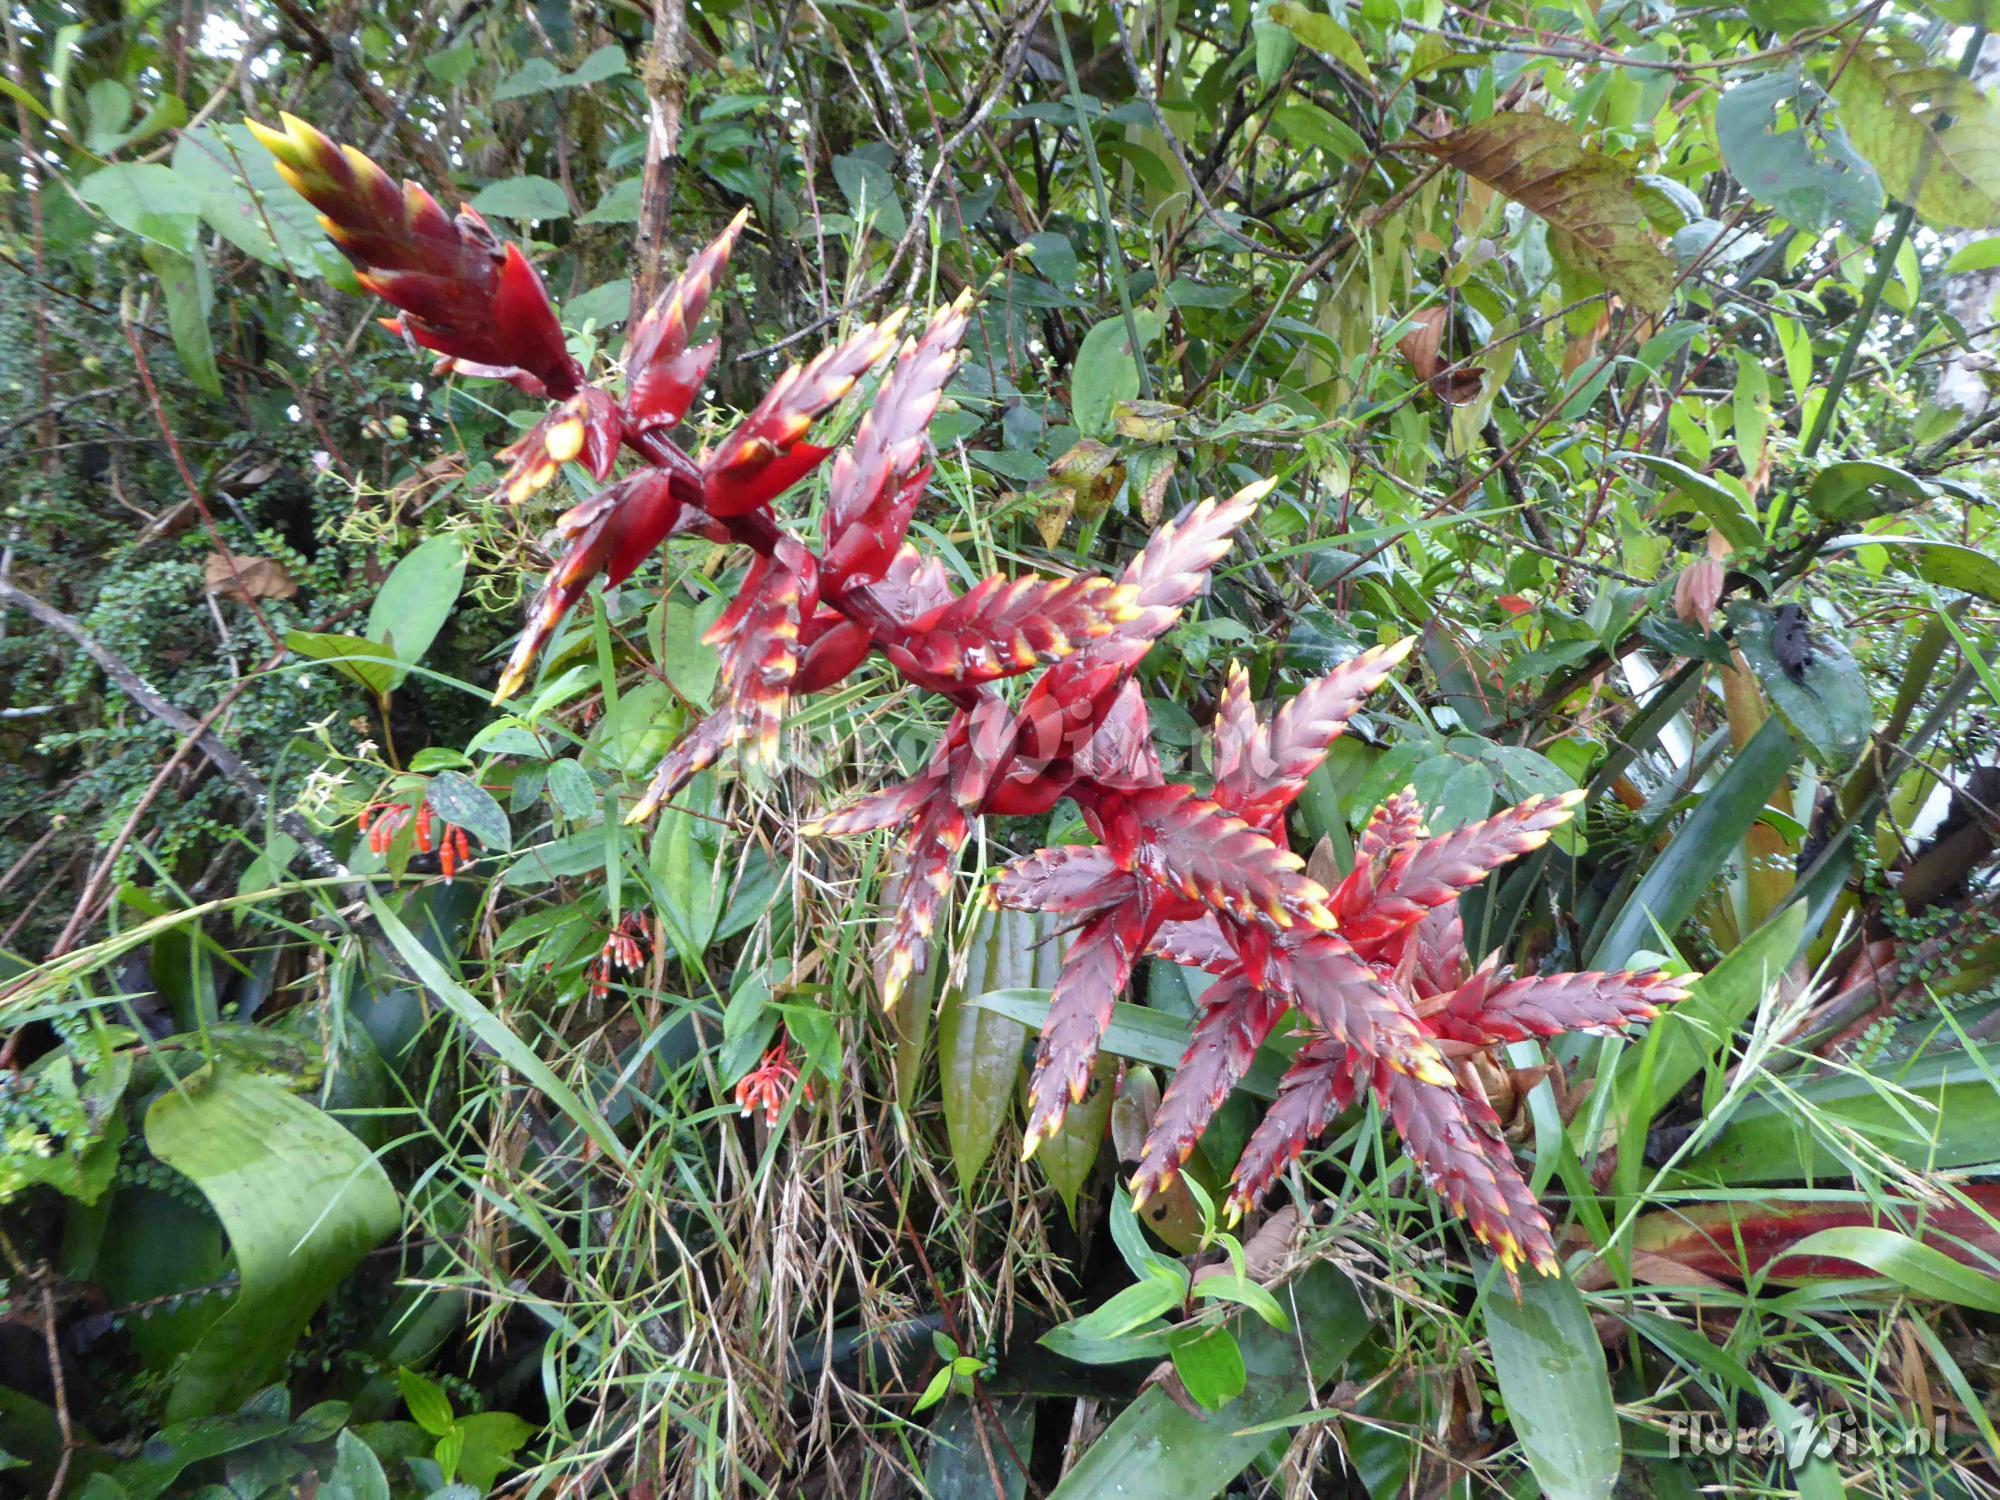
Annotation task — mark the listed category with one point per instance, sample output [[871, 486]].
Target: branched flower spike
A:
[[1372, 975]]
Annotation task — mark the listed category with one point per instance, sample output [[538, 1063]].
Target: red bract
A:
[[1372, 975]]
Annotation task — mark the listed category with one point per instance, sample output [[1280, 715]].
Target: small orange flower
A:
[[382, 821], [1514, 604], [621, 950], [767, 1086]]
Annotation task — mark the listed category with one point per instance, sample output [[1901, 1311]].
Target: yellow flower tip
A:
[[1395, 651], [1323, 919], [1252, 494], [1548, 1265], [511, 679], [1571, 798], [1430, 1069], [647, 806], [277, 142], [889, 327], [1232, 1212], [736, 224], [565, 440]]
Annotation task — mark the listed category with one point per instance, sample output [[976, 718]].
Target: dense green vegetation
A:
[[412, 1092]]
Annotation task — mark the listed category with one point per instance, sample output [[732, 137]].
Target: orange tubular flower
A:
[[767, 1086]]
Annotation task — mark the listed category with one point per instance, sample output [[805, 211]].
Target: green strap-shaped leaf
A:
[[1552, 1377], [1668, 891], [979, 1049], [299, 1197]]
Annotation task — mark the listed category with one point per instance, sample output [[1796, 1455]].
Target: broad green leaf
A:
[[1806, 171], [571, 789], [1323, 33], [689, 662], [1589, 200], [871, 194], [490, 1440], [958, 1467], [690, 864], [369, 663], [457, 798], [1980, 255], [1920, 1269], [416, 599], [1131, 1308], [429, 1407], [1066, 1157], [1933, 136], [176, 1446], [1230, 1287], [150, 200], [1209, 1364], [240, 195], [1827, 705], [1550, 1368], [979, 1048], [301, 1201], [1107, 372], [1689, 1034], [528, 197], [619, 205], [1666, 894], [607, 303], [1719, 505], [1946, 564], [357, 1472], [1859, 489], [1276, 48], [1155, 1447]]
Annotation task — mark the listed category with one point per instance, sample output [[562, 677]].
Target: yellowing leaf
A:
[[1932, 136], [1322, 34], [1590, 201]]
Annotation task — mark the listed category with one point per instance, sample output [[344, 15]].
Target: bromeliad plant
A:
[[1373, 975]]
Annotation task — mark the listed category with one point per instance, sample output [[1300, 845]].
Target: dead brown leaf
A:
[[255, 577]]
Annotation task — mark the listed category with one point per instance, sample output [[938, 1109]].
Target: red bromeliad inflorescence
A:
[[1371, 979]]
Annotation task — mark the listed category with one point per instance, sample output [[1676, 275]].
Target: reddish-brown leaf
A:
[[1278, 757], [610, 533], [1431, 873], [1485, 1014], [767, 453], [1070, 878], [1323, 1080], [929, 863], [662, 373], [1236, 1019], [1351, 1003], [1207, 854], [870, 494], [1095, 972], [463, 292], [1003, 627], [1456, 1142]]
